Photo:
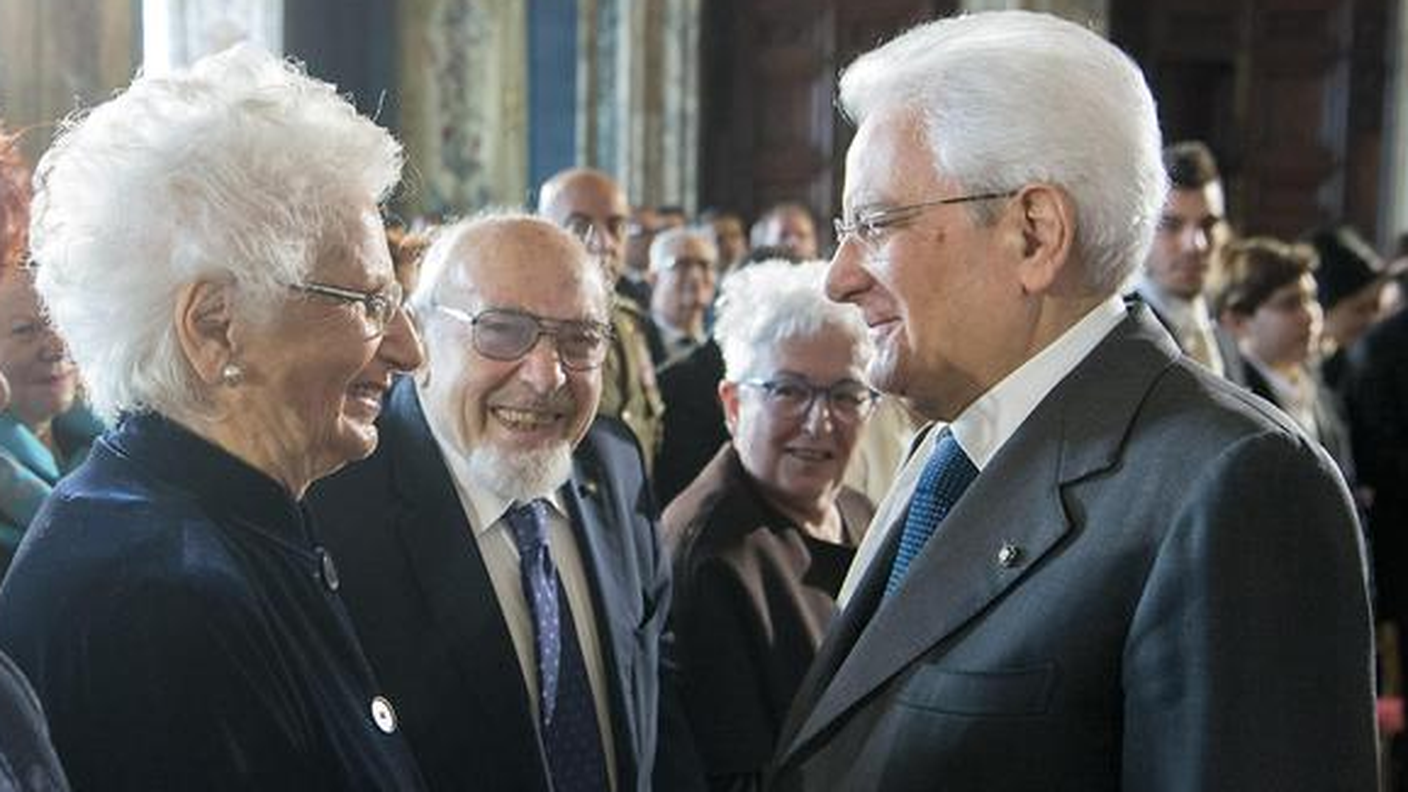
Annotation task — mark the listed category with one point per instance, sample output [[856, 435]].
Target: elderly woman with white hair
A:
[[762, 539], [209, 243]]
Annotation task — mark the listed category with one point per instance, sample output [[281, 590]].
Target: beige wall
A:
[[59, 55]]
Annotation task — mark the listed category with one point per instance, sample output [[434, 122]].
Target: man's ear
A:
[[203, 316], [1047, 224], [728, 396]]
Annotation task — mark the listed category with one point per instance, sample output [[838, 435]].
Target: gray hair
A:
[[774, 301], [241, 168], [666, 245], [1010, 98]]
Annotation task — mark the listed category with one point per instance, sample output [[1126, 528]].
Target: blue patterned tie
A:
[[946, 475], [566, 711]]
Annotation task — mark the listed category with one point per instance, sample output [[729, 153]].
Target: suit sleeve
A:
[[1249, 660]]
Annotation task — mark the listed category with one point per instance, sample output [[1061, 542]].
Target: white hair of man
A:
[[764, 304], [240, 168], [1009, 98], [666, 246]]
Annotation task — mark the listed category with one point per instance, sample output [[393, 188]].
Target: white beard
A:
[[521, 475]]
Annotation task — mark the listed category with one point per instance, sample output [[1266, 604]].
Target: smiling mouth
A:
[[526, 420]]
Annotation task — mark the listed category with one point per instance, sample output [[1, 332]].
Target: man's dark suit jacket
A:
[[1378, 413], [1329, 420], [425, 609], [694, 419], [1156, 584]]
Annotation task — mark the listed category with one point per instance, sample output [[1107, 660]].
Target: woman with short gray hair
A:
[[761, 540], [209, 244]]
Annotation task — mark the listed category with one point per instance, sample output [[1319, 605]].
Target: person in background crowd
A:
[[761, 540], [1376, 398], [694, 427], [43, 435], [682, 265], [1116, 570], [173, 604], [788, 225], [728, 237], [407, 247], [1266, 298], [591, 205], [1191, 232], [27, 759], [645, 223], [1349, 280], [500, 550]]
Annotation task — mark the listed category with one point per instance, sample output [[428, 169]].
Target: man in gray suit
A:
[[1115, 570]]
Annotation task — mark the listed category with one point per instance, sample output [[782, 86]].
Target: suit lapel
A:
[[1078, 429], [437, 539], [600, 531]]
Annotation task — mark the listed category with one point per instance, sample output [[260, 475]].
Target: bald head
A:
[[476, 254], [592, 206]]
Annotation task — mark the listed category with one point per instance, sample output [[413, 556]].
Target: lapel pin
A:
[[587, 489], [1008, 555], [383, 715]]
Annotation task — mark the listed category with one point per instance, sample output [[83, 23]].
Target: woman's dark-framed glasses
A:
[[378, 307], [507, 335], [792, 397]]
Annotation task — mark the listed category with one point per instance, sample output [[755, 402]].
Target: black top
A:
[[754, 597], [180, 623], [27, 760]]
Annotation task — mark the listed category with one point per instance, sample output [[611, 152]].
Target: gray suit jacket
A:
[[1181, 606]]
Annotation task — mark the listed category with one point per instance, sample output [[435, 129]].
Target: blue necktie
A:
[[566, 711], [946, 475]]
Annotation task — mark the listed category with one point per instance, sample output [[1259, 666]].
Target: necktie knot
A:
[[528, 522], [946, 476]]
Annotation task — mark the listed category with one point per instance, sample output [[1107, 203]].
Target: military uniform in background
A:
[[628, 388]]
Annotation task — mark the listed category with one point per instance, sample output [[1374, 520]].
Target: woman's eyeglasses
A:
[[378, 307], [792, 398]]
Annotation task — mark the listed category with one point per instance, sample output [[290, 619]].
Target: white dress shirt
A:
[[988, 423], [485, 511]]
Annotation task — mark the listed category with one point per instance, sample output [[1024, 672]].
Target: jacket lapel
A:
[[437, 539], [1078, 429], [599, 530]]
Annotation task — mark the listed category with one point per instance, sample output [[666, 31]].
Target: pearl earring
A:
[[232, 374]]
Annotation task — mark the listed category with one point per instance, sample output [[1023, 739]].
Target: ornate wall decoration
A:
[[179, 32], [463, 110]]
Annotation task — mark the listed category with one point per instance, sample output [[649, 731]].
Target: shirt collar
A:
[[989, 422]]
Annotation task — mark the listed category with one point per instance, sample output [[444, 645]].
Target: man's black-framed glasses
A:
[[869, 225], [378, 307], [505, 334], [848, 400]]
